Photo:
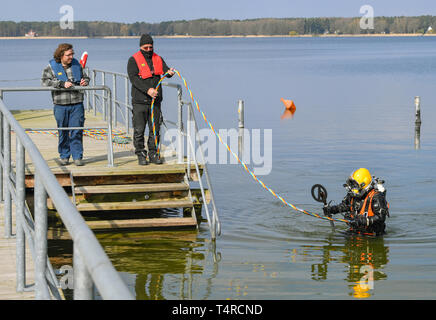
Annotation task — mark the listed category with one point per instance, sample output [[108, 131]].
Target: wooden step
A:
[[64, 179], [90, 171], [138, 205], [90, 175], [142, 223], [132, 188]]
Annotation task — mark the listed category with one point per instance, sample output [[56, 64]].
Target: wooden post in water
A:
[[241, 126], [417, 122]]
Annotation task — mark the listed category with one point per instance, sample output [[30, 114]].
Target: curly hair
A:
[[59, 53]]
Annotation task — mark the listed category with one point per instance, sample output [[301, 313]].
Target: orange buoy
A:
[[289, 109]]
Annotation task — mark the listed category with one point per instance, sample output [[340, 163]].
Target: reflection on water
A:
[[160, 265], [364, 256], [156, 265], [183, 265]]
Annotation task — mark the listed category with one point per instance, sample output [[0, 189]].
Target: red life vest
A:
[[144, 69]]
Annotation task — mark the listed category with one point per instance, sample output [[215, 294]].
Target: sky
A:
[[153, 11]]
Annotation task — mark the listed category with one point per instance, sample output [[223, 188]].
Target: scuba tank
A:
[[378, 184]]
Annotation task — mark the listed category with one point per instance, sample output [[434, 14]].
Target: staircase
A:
[[155, 196]]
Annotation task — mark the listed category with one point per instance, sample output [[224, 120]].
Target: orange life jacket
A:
[[366, 210], [366, 207], [144, 69]]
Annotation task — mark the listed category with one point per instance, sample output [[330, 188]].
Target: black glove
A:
[[327, 210], [359, 221]]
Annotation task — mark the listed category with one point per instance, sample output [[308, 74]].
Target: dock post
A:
[[417, 122], [19, 217], [114, 98], [179, 127], [87, 94], [1, 152], [108, 105], [103, 83], [83, 285], [241, 126], [7, 206], [190, 145], [94, 75], [126, 101], [41, 287]]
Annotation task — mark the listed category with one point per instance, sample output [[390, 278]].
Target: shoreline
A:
[[230, 36]]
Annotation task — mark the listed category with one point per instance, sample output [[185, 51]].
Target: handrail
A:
[[91, 264], [110, 152], [214, 224]]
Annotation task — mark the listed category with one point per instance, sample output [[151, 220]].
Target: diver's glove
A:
[[327, 210], [359, 221]]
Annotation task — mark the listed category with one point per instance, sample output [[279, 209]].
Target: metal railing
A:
[[214, 224], [191, 133], [91, 266], [106, 106]]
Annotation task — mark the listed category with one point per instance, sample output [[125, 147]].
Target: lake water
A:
[[355, 108]]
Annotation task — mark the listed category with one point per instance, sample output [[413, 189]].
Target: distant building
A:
[[31, 34]]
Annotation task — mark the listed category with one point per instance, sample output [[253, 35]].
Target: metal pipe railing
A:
[[107, 105], [214, 224], [93, 263]]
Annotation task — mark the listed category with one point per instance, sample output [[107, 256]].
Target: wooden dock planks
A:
[[8, 267], [99, 187]]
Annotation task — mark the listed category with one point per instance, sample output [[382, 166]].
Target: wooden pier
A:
[[8, 268], [122, 197]]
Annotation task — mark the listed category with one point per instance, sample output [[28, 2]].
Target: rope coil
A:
[[118, 136]]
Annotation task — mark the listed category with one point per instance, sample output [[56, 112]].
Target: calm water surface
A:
[[355, 108]]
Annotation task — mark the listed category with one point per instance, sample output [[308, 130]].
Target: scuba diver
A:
[[364, 205]]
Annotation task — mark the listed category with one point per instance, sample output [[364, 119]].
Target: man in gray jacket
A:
[[65, 72]]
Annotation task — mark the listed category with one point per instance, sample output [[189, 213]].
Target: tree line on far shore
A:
[[214, 27]]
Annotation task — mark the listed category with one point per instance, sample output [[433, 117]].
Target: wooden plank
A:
[[92, 171], [128, 188], [139, 205], [124, 197], [65, 180], [142, 223]]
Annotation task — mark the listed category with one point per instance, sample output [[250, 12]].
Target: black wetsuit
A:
[[366, 224]]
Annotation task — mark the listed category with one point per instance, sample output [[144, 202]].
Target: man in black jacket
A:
[[145, 69]]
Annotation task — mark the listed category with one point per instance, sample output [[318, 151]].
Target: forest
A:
[[214, 27]]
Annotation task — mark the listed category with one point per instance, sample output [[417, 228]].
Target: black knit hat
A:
[[145, 39]]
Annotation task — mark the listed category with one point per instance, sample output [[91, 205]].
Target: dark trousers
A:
[[142, 116], [70, 141]]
